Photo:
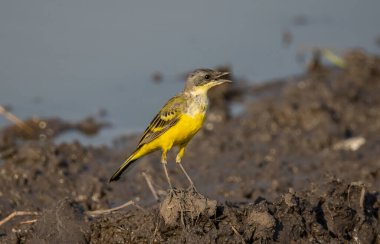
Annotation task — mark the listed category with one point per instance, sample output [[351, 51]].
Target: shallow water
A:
[[74, 58]]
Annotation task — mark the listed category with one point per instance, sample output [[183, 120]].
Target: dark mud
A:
[[298, 163]]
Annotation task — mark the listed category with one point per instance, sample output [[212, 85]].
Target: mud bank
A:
[[297, 161]]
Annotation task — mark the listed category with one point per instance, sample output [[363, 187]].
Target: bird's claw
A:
[[171, 193], [193, 189]]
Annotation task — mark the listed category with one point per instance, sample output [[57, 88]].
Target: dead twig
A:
[[17, 213], [237, 233], [362, 193], [154, 233], [150, 185], [107, 211], [139, 207], [18, 122], [362, 197], [28, 222]]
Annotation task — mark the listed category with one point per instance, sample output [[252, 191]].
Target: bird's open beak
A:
[[221, 78]]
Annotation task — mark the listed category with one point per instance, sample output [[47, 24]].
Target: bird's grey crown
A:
[[198, 77], [201, 71]]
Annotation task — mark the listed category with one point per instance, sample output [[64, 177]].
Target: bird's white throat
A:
[[197, 103]]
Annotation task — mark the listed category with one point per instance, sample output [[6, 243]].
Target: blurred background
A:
[[76, 58]]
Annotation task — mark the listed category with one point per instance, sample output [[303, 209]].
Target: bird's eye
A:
[[207, 77]]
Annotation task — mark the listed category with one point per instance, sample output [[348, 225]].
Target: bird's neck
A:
[[199, 96], [201, 91], [197, 102]]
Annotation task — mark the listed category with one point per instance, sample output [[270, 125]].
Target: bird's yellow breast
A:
[[180, 133]]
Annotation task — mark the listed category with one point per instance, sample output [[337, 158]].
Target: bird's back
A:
[[188, 112]]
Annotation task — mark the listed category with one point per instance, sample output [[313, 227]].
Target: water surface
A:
[[73, 58]]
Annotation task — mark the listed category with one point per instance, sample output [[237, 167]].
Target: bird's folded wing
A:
[[167, 117]]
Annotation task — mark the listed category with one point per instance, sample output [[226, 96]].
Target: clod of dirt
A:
[[264, 225], [183, 205], [64, 223], [263, 219], [260, 224], [290, 200]]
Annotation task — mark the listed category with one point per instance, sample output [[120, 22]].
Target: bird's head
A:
[[203, 79]]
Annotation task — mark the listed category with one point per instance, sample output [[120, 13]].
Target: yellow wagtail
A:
[[177, 121]]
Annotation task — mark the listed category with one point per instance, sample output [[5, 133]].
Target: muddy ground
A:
[[295, 160]]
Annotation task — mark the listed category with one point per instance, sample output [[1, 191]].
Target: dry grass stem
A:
[[237, 233], [16, 213], [18, 122], [28, 222], [150, 185], [107, 211]]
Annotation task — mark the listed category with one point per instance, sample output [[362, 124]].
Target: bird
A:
[[177, 122]]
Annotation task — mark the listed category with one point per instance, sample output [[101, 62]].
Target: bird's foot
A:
[[172, 192], [193, 189]]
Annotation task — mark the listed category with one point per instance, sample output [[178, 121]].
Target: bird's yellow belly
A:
[[180, 133]]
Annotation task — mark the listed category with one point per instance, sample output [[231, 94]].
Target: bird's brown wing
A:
[[167, 117]]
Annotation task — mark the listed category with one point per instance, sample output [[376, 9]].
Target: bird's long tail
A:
[[129, 162]]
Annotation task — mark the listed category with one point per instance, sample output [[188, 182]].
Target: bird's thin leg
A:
[[188, 177], [178, 161], [164, 163]]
